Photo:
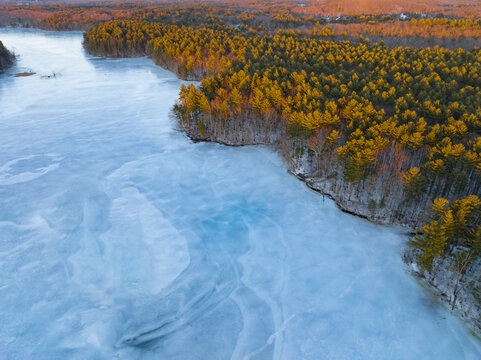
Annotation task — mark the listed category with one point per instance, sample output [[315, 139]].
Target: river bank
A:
[[440, 283]]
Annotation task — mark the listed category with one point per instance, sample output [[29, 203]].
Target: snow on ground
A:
[[120, 239]]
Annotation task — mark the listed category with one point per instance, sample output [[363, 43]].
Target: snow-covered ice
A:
[[121, 239]]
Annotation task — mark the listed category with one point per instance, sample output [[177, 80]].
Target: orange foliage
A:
[[407, 28]]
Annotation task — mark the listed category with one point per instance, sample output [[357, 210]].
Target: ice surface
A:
[[120, 239]]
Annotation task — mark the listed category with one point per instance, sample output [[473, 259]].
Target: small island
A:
[[6, 58]]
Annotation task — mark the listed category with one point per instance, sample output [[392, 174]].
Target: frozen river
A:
[[121, 239]]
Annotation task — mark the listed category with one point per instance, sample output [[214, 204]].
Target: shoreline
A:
[[308, 181], [463, 310]]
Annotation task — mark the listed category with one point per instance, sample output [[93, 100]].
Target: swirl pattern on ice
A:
[[28, 168]]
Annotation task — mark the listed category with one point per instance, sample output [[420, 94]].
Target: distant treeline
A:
[[417, 20]]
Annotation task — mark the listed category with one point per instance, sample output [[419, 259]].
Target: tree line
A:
[[416, 19]]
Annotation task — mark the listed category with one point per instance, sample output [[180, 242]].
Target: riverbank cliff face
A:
[[379, 198]]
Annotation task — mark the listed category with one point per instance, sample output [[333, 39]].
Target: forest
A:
[[390, 132]]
